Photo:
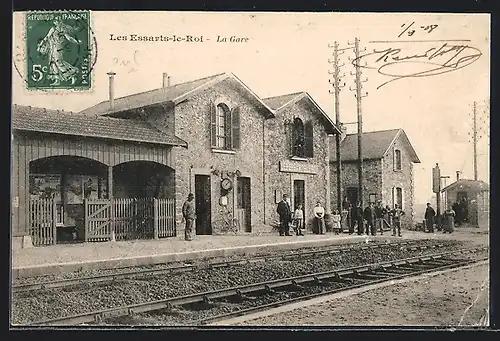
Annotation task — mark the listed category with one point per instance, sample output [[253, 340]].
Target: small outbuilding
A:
[[471, 201]]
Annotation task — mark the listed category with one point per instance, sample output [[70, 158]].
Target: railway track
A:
[[340, 279], [107, 278]]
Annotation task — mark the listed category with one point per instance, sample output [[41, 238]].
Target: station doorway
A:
[[203, 202]]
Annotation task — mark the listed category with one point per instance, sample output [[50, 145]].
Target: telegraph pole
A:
[[475, 142], [337, 86], [358, 96]]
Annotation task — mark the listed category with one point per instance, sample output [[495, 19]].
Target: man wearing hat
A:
[[285, 213], [188, 212]]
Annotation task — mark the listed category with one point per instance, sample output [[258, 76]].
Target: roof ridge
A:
[[47, 110], [160, 88], [377, 131], [283, 95]]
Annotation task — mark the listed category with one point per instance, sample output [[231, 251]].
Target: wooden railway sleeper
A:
[[241, 296], [269, 290], [297, 285], [98, 318], [207, 300]]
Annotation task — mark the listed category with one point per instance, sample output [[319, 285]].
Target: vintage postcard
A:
[[250, 169]]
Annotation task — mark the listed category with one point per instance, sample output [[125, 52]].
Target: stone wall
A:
[[372, 179], [277, 150], [193, 126], [399, 178]]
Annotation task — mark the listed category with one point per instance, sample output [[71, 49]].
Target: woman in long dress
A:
[[52, 45], [449, 220]]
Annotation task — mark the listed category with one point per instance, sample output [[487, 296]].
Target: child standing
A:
[[336, 222], [298, 218]]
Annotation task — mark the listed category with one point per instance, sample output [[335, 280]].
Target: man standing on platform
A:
[[358, 217], [397, 213], [370, 217], [285, 213], [319, 214], [379, 215], [188, 212], [430, 215]]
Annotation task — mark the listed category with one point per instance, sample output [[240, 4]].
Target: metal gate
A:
[[42, 221]]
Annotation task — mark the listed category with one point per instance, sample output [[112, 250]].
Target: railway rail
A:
[[106, 278], [352, 277]]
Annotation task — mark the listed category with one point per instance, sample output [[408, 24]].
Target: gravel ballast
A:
[[34, 306]]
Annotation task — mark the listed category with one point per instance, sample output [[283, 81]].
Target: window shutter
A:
[[394, 198], [308, 139], [289, 138], [394, 159], [236, 128], [213, 124], [227, 129]]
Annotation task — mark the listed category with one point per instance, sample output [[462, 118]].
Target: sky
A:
[[290, 52]]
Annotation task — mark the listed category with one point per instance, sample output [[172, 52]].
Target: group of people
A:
[[371, 218], [461, 211], [296, 218], [445, 223]]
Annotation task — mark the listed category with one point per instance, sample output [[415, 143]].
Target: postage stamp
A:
[[58, 50]]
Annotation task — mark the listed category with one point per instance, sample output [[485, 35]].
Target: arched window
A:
[[397, 160], [397, 197], [221, 125], [225, 127], [298, 138]]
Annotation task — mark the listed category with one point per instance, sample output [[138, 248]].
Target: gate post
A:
[[86, 219], [112, 220], [54, 221], [155, 218]]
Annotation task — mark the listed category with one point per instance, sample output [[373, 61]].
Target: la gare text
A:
[[175, 38]]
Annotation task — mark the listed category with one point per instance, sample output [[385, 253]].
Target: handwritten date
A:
[[410, 29]]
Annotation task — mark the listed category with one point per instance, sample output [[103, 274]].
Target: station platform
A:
[[108, 255]]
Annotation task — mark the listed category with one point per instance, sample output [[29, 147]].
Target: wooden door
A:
[[203, 204]]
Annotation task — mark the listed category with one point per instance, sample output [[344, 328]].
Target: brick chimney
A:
[[458, 175], [111, 75], [166, 80]]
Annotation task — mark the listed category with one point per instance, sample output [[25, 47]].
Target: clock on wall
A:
[[226, 184]]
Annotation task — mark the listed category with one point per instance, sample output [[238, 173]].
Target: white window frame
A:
[[220, 126]]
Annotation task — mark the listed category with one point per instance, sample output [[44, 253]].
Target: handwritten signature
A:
[[398, 64]]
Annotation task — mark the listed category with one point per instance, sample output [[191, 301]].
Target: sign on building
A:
[[298, 167]]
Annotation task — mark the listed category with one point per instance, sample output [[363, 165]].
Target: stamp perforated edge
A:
[[92, 47]]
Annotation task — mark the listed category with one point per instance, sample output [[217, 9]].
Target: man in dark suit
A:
[[285, 213], [429, 216], [370, 217], [358, 217]]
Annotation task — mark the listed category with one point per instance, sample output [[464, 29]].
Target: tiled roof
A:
[[52, 121], [277, 102], [142, 99], [375, 144], [468, 185]]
